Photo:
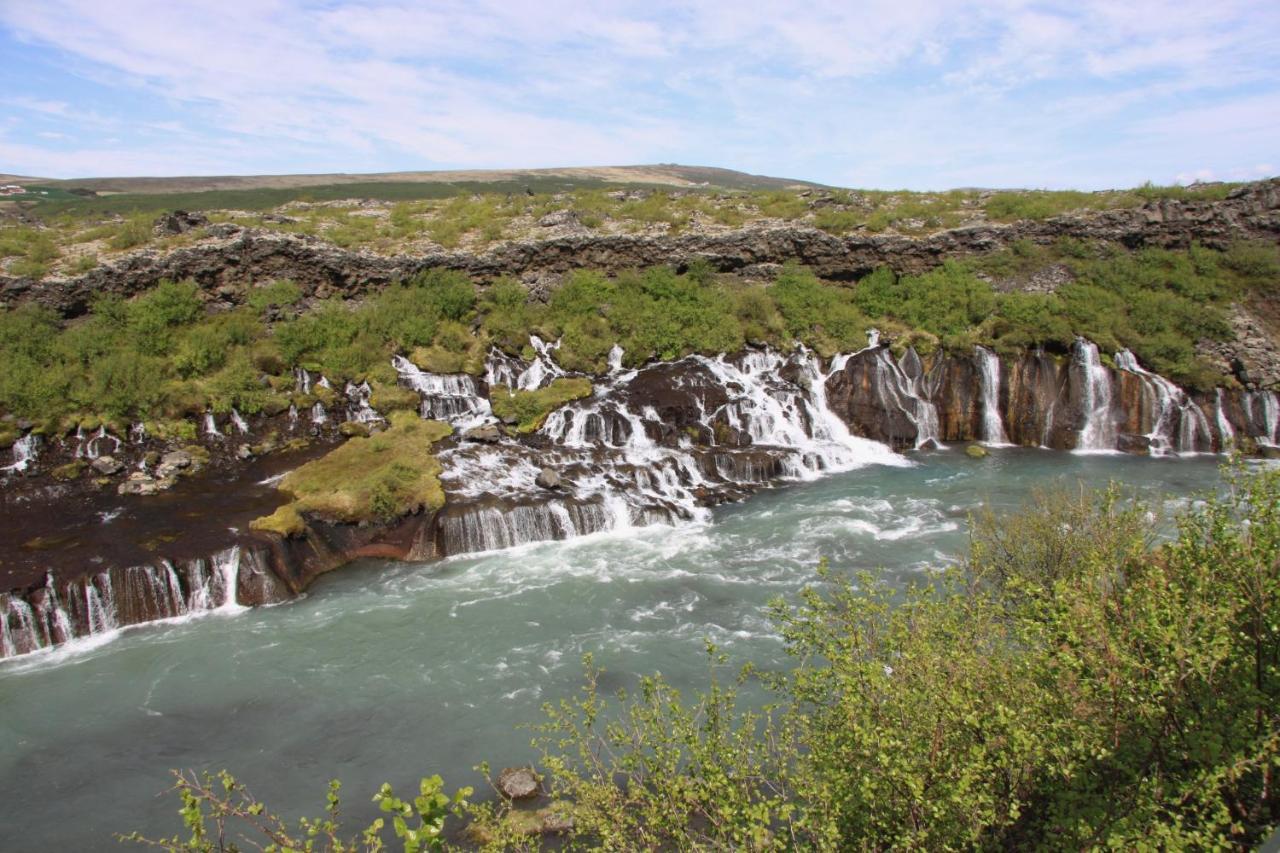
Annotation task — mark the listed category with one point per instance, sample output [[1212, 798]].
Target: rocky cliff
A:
[[232, 257]]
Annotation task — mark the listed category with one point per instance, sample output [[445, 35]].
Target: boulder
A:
[[487, 434], [976, 451], [518, 783], [144, 484], [179, 222], [548, 479], [107, 465]]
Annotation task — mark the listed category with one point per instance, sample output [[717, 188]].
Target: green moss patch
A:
[[528, 410], [366, 479], [393, 398]]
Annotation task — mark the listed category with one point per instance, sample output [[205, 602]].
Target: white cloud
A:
[[905, 91]]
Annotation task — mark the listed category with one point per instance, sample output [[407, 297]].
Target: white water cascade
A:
[[1263, 411], [318, 414], [450, 397], [91, 606], [211, 426], [543, 368], [25, 451], [1098, 433], [992, 424], [1178, 425], [238, 421], [1226, 432]]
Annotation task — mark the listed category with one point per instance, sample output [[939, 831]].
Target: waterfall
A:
[[873, 338], [1099, 429], [502, 369], [358, 408], [1262, 408], [450, 397], [293, 415], [1178, 425], [239, 422], [1226, 433], [25, 451], [615, 358], [302, 380], [324, 383], [318, 414], [992, 425], [543, 368], [99, 606], [211, 426]]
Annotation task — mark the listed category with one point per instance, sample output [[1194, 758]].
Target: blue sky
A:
[[886, 94]]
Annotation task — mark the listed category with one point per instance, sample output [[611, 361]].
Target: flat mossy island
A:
[[528, 410], [378, 478]]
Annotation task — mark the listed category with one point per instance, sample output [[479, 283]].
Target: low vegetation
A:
[[1074, 684], [407, 216], [164, 357], [528, 410], [378, 478]]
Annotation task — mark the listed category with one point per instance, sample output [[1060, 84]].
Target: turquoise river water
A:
[[388, 672]]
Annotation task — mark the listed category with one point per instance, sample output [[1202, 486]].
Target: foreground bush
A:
[[1073, 685]]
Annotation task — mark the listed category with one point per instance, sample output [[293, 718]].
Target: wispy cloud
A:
[[890, 92]]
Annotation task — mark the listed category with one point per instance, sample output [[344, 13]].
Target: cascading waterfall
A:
[[1262, 408], [25, 451], [318, 414], [450, 397], [1178, 425], [211, 426], [302, 380], [94, 603], [543, 368], [1226, 432], [241, 425], [1098, 433], [992, 424], [358, 408]]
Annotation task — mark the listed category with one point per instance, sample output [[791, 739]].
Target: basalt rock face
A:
[[235, 257]]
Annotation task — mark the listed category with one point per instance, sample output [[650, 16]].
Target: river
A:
[[388, 672]]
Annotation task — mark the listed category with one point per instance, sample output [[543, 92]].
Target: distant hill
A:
[[664, 174]]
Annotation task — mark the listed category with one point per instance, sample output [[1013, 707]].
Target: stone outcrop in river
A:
[[657, 444]]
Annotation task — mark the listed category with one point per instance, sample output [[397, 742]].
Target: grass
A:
[[529, 409], [378, 478]]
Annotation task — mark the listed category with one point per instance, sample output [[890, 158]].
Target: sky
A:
[[882, 94]]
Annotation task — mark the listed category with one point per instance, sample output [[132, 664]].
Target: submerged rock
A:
[[548, 479], [518, 783], [976, 451]]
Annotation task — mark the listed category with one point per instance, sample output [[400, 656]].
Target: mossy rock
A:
[[275, 404], [9, 433], [90, 423], [327, 396], [369, 479], [976, 451], [435, 359], [528, 410], [70, 471], [352, 429], [285, 521], [393, 398]]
